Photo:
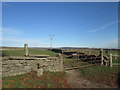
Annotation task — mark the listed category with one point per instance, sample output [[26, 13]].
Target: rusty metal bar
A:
[[80, 67]]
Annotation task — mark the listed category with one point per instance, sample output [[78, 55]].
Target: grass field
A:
[[99, 74], [47, 80], [102, 74], [94, 70], [20, 52], [74, 63], [113, 52]]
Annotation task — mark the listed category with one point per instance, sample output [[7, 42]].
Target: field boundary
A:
[[80, 59]]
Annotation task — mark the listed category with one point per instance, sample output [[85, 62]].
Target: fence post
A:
[[111, 60], [101, 52], [26, 49], [115, 56], [78, 55]]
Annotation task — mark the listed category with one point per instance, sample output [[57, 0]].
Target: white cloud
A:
[[104, 26], [15, 37], [9, 31], [111, 44], [21, 42], [115, 41]]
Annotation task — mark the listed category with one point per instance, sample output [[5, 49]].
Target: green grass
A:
[[113, 52], [42, 52], [95, 70], [116, 61], [101, 74], [31, 51], [13, 52], [97, 52], [47, 80]]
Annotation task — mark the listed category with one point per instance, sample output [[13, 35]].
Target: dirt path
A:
[[76, 81]]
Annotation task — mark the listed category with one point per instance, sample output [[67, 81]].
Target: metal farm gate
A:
[[82, 58]]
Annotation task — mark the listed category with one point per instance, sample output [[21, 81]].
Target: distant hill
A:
[[4, 47], [77, 48]]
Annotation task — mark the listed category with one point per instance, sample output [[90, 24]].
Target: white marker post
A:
[[111, 65], [26, 49]]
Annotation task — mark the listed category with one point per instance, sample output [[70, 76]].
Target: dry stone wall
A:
[[17, 67]]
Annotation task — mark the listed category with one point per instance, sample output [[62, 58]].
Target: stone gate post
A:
[[26, 50]]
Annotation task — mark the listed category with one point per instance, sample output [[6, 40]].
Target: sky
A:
[[73, 24]]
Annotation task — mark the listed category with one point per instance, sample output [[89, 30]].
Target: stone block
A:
[[51, 64], [39, 72]]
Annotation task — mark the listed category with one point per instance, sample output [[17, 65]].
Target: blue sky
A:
[[78, 24]]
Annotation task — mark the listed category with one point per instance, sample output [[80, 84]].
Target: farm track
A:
[[76, 80]]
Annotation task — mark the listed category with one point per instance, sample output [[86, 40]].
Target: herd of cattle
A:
[[81, 57]]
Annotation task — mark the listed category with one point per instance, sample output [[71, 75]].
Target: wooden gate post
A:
[[115, 56], [78, 55], [62, 54], [101, 53], [111, 60], [26, 49]]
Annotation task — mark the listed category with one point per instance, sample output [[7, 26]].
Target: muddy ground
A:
[[77, 80]]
